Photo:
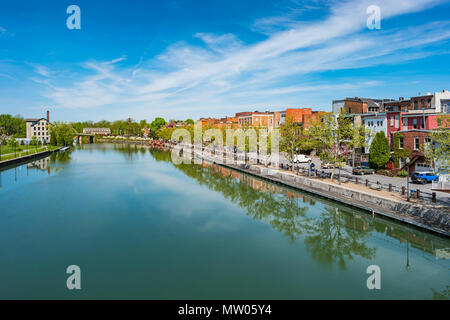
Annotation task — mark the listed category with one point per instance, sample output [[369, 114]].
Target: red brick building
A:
[[414, 140]]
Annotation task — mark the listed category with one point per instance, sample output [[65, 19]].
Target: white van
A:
[[300, 158]]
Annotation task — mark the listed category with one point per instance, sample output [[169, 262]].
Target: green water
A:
[[140, 227]]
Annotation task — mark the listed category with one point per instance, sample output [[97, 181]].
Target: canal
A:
[[140, 227]]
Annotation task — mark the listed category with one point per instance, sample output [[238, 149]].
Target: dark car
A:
[[424, 177], [363, 170]]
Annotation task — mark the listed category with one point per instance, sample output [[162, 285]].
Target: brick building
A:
[[414, 140]]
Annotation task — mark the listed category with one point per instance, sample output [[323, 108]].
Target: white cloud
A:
[[225, 72], [42, 70]]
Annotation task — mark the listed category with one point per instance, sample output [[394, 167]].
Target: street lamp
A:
[[407, 179]]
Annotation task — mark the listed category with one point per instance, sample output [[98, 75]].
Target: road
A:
[[396, 182]]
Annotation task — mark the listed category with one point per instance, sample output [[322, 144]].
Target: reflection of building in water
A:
[[42, 164]]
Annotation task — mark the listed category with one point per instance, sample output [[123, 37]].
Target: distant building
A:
[[38, 127], [97, 131], [375, 123], [359, 105], [256, 119]]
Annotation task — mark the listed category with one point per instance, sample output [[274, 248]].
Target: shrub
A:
[[384, 173], [402, 174]]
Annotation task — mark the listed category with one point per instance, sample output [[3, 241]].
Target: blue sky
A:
[[193, 58]]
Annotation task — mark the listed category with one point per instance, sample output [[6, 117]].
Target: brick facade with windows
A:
[[414, 140]]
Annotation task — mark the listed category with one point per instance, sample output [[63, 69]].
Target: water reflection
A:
[[334, 237], [14, 176], [136, 212]]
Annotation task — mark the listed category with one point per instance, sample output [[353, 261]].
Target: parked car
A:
[[363, 170], [300, 158], [424, 177], [329, 165]]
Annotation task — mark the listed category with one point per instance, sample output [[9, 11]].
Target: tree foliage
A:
[[61, 134], [437, 150], [380, 151], [12, 126], [332, 135]]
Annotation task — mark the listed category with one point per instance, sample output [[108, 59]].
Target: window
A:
[[400, 142], [422, 103], [416, 143], [415, 123], [405, 123], [422, 123], [397, 124], [349, 110], [429, 103], [415, 104], [392, 121]]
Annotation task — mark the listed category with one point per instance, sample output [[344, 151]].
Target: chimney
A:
[[48, 116]]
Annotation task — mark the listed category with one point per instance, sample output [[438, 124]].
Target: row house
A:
[[375, 123], [414, 140], [439, 102], [358, 105], [227, 122], [413, 119], [303, 116], [256, 119]]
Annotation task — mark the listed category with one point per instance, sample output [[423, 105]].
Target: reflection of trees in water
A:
[[129, 150], [61, 157], [333, 241], [333, 237], [444, 295]]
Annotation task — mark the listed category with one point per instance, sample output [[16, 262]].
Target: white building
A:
[[38, 128], [374, 123], [441, 101]]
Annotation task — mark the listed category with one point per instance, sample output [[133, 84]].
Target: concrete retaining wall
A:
[[428, 217], [39, 155]]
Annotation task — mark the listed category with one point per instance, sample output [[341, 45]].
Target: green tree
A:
[[33, 141], [437, 150], [380, 151], [291, 140], [330, 135], [62, 133], [359, 139], [157, 123], [13, 126], [189, 121]]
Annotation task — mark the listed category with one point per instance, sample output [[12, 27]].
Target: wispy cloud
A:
[[42, 70], [225, 72]]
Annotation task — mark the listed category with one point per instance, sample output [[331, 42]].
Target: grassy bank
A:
[[24, 152]]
